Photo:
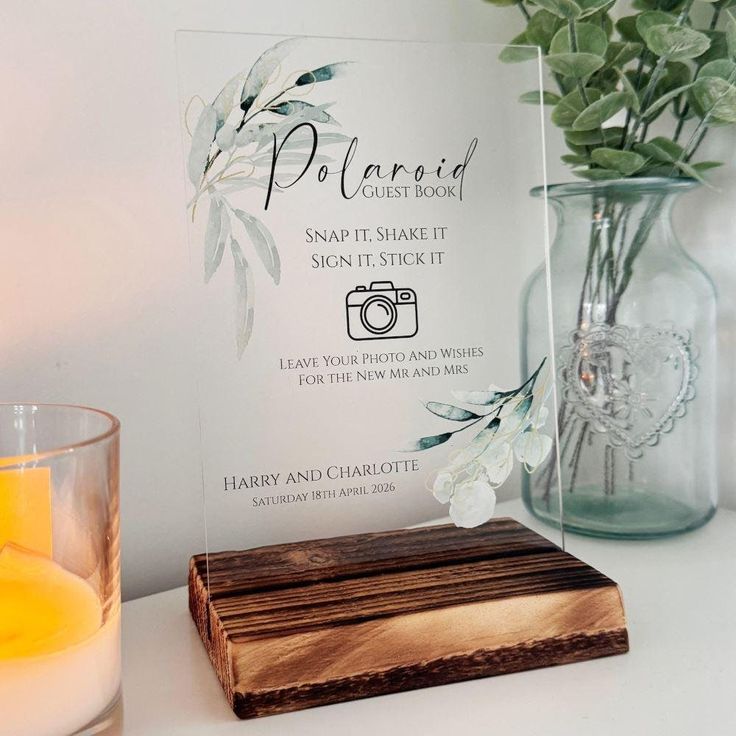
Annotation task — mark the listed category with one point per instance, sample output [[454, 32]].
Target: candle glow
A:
[[54, 646]]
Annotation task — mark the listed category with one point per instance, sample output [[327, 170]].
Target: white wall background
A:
[[93, 238]]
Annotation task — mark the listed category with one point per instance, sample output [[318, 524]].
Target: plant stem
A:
[[573, 36], [646, 100], [653, 81], [698, 66]]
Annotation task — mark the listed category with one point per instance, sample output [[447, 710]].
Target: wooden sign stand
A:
[[298, 625]]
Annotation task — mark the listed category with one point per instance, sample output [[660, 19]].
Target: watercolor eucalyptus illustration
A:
[[231, 153], [507, 425]]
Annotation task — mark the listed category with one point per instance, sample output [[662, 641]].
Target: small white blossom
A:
[[497, 461], [531, 448], [472, 504], [510, 429], [443, 486]]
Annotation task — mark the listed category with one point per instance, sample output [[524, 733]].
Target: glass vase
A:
[[635, 347], [59, 571]]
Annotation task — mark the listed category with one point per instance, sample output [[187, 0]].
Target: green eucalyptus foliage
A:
[[614, 79]]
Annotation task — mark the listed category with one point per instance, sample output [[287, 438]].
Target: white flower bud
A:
[[472, 504], [443, 486]]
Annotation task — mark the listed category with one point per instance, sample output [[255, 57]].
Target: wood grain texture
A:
[[297, 625]]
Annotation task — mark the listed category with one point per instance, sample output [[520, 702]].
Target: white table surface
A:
[[678, 679]]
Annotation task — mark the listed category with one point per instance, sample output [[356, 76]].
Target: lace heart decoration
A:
[[631, 384]]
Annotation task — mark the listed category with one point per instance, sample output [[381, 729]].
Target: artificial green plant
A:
[[613, 79]]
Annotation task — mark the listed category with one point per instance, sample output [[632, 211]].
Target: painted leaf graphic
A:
[[293, 158], [261, 71], [308, 111], [204, 134], [244, 298], [478, 398], [225, 100], [425, 443], [448, 411], [263, 243], [305, 141], [322, 74], [216, 234]]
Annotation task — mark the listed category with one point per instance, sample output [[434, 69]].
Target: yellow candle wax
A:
[[59, 663], [25, 508], [43, 608]]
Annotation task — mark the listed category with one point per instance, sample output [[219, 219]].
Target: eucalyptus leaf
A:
[[632, 97], [244, 298], [478, 398], [261, 72], [590, 7], [426, 443], [603, 20], [574, 159], [730, 31], [518, 50], [576, 149], [571, 105], [611, 136], [665, 100], [535, 97], [204, 134], [590, 40], [263, 243], [448, 411], [226, 99], [578, 66], [618, 53], [652, 18], [626, 27], [599, 111], [541, 28], [317, 113], [677, 74], [658, 169], [297, 141], [721, 68], [644, 5], [606, 79], [691, 171], [676, 43], [660, 149], [625, 162], [716, 98], [215, 237], [718, 47], [597, 174], [322, 74], [566, 9], [293, 158], [706, 165]]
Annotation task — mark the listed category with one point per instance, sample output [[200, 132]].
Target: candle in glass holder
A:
[[59, 582]]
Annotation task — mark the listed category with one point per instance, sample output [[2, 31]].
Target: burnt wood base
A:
[[298, 625]]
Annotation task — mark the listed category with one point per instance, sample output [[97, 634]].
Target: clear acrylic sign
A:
[[361, 232]]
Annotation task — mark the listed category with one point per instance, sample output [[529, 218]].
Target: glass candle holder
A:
[[59, 570]]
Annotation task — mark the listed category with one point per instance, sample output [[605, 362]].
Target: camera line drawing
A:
[[381, 312]]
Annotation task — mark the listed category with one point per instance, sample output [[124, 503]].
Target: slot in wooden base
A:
[[298, 625]]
